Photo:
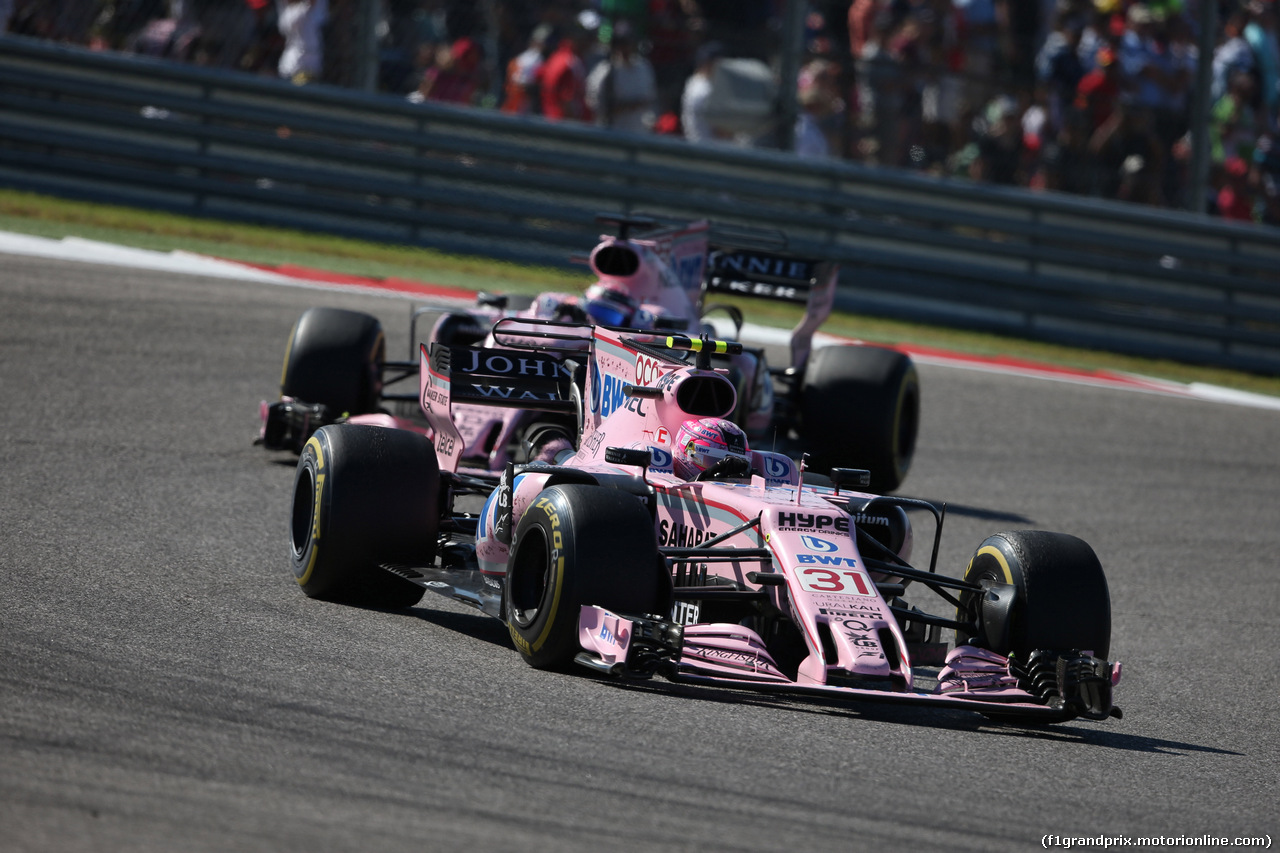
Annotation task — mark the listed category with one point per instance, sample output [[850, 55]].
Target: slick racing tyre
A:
[[860, 408], [363, 496], [577, 545], [1061, 599], [335, 358], [459, 329]]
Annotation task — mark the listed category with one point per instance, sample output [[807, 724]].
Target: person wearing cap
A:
[[621, 90], [697, 95], [520, 91]]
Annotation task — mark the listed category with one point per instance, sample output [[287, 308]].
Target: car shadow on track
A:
[[474, 624], [1083, 733]]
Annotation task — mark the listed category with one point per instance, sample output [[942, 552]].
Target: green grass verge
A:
[[45, 216]]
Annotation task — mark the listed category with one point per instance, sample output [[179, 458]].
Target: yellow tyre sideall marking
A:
[[557, 547], [314, 443], [999, 557], [555, 606], [284, 369]]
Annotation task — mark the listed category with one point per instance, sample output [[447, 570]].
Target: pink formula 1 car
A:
[[846, 406], [661, 544]]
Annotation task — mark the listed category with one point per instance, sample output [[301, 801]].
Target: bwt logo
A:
[[607, 396], [822, 546]]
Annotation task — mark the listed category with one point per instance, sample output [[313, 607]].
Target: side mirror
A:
[[627, 456]]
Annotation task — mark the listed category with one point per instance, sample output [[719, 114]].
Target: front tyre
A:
[[860, 408], [334, 357], [1061, 600], [363, 496], [577, 545]]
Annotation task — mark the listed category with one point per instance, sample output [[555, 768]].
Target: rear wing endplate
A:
[[780, 277]]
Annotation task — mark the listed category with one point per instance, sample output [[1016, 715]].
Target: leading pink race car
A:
[[659, 543]]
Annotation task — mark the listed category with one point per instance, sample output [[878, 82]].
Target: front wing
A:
[[729, 656]]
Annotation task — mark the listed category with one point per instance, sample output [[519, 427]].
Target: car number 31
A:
[[833, 582]]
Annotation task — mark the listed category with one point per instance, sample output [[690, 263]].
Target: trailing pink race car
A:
[[846, 406], [661, 544]]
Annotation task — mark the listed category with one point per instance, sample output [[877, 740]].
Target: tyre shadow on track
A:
[[960, 721], [983, 514]]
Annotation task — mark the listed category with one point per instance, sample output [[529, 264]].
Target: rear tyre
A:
[[579, 545], [459, 329], [334, 358], [860, 408], [1061, 597], [362, 496]]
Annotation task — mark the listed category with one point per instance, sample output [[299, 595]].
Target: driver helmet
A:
[[702, 442], [608, 306]]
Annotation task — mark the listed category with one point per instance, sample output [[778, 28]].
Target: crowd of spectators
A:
[[1092, 97]]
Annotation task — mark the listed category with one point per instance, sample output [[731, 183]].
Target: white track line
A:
[[188, 263]]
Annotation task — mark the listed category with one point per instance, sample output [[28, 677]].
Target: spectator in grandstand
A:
[[1264, 41], [562, 80], [1000, 150], [1099, 90], [1235, 125], [980, 35], [1232, 53], [621, 90], [1234, 199], [456, 76], [671, 51], [820, 103], [301, 22], [880, 82], [696, 99], [1059, 68], [520, 91]]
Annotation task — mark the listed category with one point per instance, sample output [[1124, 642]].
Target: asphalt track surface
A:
[[164, 685]]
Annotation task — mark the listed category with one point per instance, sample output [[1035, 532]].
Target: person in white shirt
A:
[[621, 91], [697, 95], [301, 22]]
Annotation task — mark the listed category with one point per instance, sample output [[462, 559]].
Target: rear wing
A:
[[520, 379], [777, 276]]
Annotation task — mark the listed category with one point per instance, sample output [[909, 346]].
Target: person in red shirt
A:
[[1234, 199], [563, 81], [1098, 90]]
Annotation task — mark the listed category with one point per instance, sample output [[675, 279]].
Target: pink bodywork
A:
[[855, 644]]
